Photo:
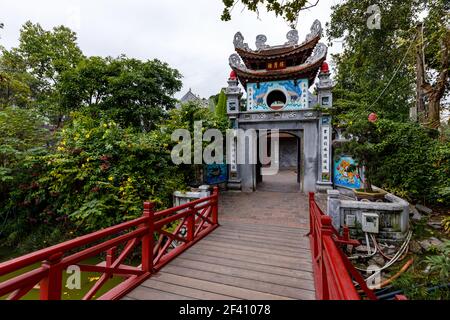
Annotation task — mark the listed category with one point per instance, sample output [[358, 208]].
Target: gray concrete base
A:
[[323, 187], [234, 185], [393, 215]]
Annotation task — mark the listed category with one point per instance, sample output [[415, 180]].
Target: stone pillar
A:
[[204, 191], [325, 100], [325, 87], [325, 167], [310, 156], [234, 94], [334, 208]]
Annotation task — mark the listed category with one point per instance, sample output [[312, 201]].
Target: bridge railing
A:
[[161, 235], [334, 274]]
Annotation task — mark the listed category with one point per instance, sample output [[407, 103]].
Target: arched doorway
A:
[[289, 176]]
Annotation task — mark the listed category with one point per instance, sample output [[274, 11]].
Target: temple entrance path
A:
[[260, 251], [284, 181]]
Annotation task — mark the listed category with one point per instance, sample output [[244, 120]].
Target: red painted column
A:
[[190, 221], [110, 257], [215, 209], [148, 239], [51, 286]]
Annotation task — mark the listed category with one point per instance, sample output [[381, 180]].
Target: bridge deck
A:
[[237, 261], [259, 252]]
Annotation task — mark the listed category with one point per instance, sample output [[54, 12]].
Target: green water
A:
[[88, 279]]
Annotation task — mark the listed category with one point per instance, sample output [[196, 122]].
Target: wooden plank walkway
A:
[[237, 261]]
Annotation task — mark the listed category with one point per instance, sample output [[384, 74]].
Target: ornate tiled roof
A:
[[307, 70], [290, 50], [294, 60]]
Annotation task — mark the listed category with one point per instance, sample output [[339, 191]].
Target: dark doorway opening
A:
[[288, 178]]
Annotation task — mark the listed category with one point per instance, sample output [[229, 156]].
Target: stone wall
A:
[[393, 215]]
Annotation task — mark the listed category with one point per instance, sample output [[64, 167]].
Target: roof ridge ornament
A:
[[261, 40], [316, 30], [292, 37], [320, 51], [239, 43], [235, 62]]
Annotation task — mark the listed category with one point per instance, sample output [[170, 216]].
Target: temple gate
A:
[[277, 80]]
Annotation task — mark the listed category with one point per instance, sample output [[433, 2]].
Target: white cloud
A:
[[189, 35]]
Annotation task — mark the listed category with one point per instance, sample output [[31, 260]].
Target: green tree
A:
[[43, 55], [288, 9], [14, 88], [433, 62], [379, 64], [129, 91], [184, 118], [363, 145], [372, 57], [221, 107]]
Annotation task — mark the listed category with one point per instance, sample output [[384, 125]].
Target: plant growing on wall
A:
[[363, 144]]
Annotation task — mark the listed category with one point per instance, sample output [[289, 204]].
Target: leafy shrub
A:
[[97, 175], [412, 162], [184, 118], [440, 263], [446, 224], [23, 139], [402, 157], [100, 174]]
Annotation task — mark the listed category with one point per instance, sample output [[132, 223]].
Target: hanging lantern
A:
[[373, 117]]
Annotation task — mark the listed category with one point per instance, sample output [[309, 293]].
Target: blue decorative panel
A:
[[216, 173], [277, 95], [347, 173]]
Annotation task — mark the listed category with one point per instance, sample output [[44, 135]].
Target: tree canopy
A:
[[376, 73], [32, 71], [378, 65], [49, 72], [288, 9], [129, 91]]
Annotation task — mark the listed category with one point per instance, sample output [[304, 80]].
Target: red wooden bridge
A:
[[187, 254]]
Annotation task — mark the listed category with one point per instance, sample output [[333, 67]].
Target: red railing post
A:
[[326, 230], [51, 285], [190, 222], [110, 257], [311, 216], [147, 239], [215, 208], [346, 233]]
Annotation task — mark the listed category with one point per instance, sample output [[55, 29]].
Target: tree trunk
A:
[[367, 180], [437, 91], [420, 112], [434, 112]]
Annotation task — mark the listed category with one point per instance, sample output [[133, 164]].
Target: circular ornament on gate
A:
[[276, 100]]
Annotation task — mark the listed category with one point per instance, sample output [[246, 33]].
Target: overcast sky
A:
[[188, 35]]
